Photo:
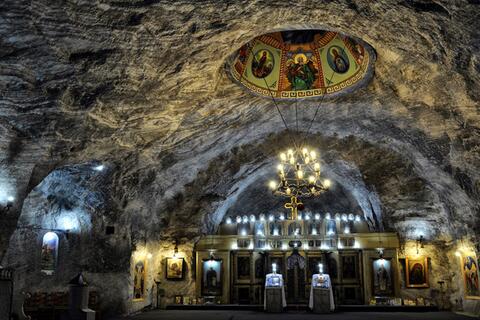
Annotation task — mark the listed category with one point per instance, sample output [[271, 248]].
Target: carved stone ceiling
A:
[[141, 86]]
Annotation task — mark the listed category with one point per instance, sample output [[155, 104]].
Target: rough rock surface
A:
[[141, 87]]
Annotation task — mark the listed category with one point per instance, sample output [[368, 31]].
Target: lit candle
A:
[[327, 183], [273, 185], [300, 174]]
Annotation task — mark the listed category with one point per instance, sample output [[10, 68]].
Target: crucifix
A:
[[293, 206]]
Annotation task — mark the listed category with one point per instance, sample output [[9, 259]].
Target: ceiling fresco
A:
[[303, 64]]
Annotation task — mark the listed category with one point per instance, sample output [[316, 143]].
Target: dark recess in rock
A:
[[427, 6]]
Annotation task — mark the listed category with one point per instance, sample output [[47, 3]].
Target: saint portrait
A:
[[48, 260], [357, 50], [331, 227], [294, 229], [470, 277], [337, 59], [212, 277], [242, 58], [347, 227], [139, 276], [416, 272], [262, 63], [314, 228], [382, 277], [275, 228], [259, 228], [175, 268], [301, 72]]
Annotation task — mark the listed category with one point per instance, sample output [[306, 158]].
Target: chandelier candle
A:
[[298, 177]]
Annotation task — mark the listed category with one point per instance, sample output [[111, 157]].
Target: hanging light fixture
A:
[[299, 170], [298, 177]]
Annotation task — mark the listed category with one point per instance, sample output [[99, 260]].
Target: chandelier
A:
[[298, 177]]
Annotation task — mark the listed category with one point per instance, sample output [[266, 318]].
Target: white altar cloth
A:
[[321, 281], [274, 280]]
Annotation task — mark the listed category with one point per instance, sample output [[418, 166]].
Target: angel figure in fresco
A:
[[301, 73], [47, 255]]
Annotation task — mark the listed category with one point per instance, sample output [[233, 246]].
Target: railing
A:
[[359, 241], [6, 274]]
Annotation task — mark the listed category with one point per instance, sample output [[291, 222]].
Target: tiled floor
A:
[[253, 315]]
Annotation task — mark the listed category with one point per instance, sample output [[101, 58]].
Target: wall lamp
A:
[[419, 243], [8, 205], [175, 250]]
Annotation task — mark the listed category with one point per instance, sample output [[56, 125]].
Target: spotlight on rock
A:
[[100, 167], [6, 207]]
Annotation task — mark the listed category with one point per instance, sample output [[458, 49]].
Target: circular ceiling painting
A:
[[303, 64]]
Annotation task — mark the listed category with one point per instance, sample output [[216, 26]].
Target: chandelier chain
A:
[[292, 137], [319, 104]]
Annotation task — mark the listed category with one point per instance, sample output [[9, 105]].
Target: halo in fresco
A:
[[303, 64], [337, 59], [301, 72], [263, 63]]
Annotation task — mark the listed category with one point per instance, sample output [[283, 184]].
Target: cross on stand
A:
[[293, 206]]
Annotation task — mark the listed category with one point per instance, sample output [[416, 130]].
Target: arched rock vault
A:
[[141, 86]]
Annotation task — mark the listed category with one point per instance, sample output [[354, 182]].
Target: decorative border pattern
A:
[[361, 77]]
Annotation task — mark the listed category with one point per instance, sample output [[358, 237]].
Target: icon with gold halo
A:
[[301, 72], [262, 63]]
